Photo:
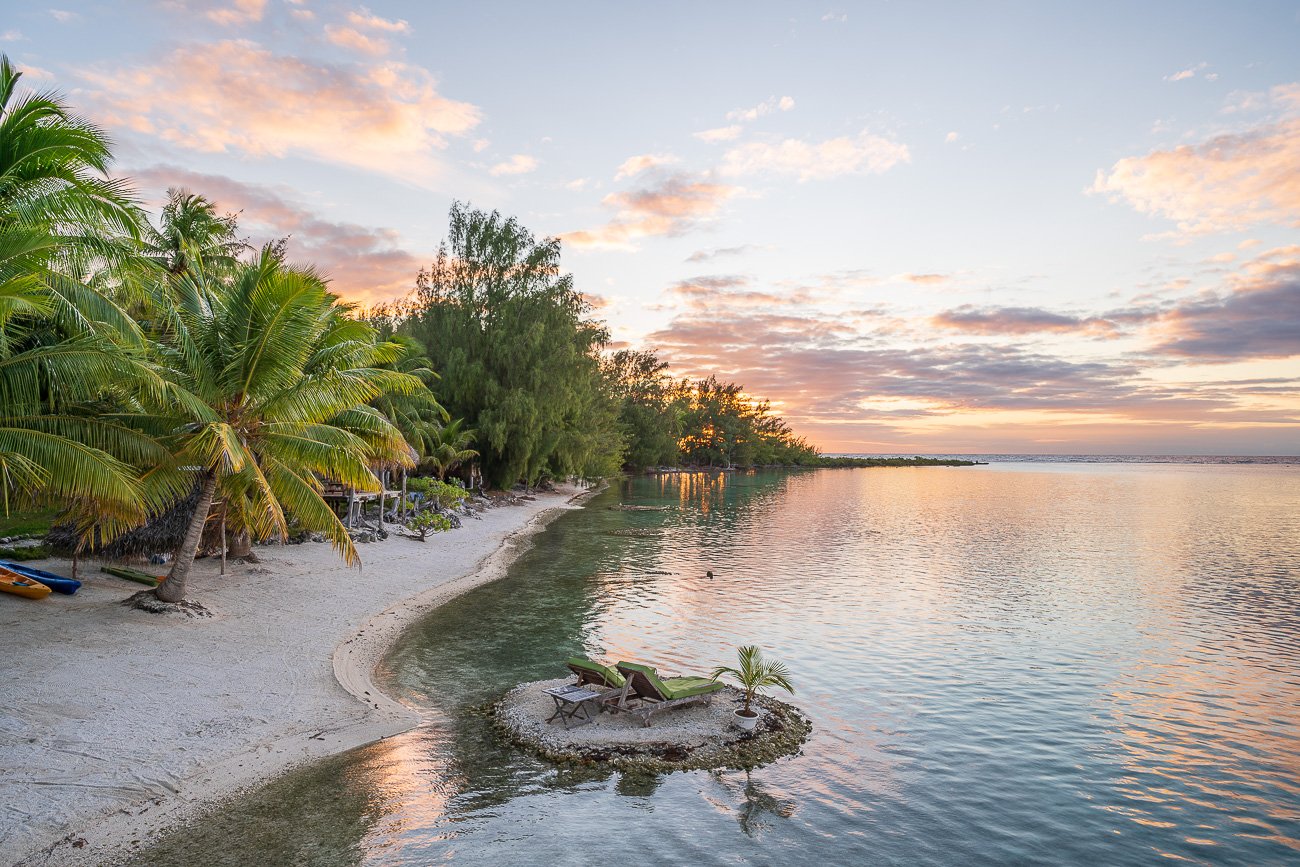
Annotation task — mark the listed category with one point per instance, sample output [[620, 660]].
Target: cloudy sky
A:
[[1011, 227]]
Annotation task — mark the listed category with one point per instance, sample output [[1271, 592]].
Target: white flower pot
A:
[[746, 722]]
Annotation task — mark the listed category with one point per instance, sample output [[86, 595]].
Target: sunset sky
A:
[[1003, 227]]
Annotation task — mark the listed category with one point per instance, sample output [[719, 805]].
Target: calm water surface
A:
[[1006, 664]]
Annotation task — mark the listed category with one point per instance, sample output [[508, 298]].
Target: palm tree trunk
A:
[[173, 589], [241, 545]]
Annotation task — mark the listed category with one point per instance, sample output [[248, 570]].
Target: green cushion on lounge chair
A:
[[610, 674], [681, 687], [673, 687]]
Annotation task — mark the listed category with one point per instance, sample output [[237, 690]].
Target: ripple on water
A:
[[1003, 665]]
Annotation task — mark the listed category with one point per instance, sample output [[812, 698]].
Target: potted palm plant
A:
[[754, 675]]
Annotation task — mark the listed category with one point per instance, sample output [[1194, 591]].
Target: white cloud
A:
[[12, 36], [722, 133], [641, 162], [951, 138], [63, 16], [767, 106], [864, 153], [519, 164], [1185, 74]]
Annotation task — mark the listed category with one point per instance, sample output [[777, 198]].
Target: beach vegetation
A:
[[427, 522], [449, 448], [25, 552]]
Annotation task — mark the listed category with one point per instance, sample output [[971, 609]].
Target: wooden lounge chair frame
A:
[[648, 699], [611, 694]]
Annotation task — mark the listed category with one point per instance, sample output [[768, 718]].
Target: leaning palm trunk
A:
[[173, 589]]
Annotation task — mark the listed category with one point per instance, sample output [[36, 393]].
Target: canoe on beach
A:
[[57, 583], [21, 585], [133, 575]]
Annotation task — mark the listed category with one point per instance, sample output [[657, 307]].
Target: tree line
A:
[[148, 361], [520, 358]]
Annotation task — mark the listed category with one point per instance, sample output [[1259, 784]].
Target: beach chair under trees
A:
[[652, 693]]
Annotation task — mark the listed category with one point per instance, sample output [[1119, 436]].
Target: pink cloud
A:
[[1228, 183], [729, 293], [354, 40], [519, 164], [642, 162], [1257, 317], [238, 12], [363, 263], [1019, 320], [367, 20], [721, 133], [671, 206], [239, 97]]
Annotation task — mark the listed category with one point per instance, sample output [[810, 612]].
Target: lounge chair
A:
[[594, 674], [656, 693]]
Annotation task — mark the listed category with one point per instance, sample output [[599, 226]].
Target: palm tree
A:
[[755, 674], [450, 448], [270, 390], [60, 214], [418, 416], [191, 236], [65, 344]]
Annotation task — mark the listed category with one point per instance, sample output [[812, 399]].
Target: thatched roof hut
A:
[[161, 534]]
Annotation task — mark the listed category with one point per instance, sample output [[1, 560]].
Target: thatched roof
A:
[[162, 534]]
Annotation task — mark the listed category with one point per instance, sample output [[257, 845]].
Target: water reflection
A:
[[755, 808], [1002, 665]]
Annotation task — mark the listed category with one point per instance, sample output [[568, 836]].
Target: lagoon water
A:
[[1014, 663]]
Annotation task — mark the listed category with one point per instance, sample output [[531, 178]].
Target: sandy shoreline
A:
[[119, 723]]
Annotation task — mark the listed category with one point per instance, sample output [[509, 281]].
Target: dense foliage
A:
[[144, 366], [515, 354], [521, 362]]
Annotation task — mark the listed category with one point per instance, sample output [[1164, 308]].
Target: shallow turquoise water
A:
[[1006, 664]]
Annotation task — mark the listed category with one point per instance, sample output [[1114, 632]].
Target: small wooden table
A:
[[571, 704]]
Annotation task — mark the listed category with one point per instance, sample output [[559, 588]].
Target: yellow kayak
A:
[[12, 582]]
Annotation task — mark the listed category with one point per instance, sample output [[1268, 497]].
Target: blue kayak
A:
[[57, 583]]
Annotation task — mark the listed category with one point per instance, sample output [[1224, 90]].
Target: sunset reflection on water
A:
[[1003, 664]]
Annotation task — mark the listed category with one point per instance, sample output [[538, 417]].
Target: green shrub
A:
[[33, 552], [425, 523]]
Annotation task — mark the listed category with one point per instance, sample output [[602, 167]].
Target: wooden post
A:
[[223, 538], [352, 499], [383, 485], [403, 493]]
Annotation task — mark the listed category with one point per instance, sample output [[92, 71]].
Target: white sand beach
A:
[[115, 723]]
